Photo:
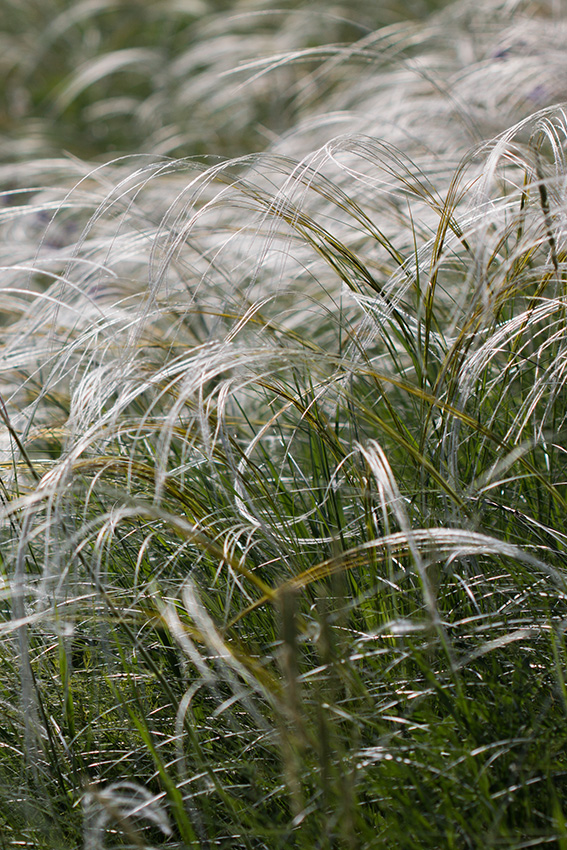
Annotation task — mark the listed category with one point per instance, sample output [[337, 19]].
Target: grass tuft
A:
[[282, 463]]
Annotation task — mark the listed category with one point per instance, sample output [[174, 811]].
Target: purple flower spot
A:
[[538, 94]]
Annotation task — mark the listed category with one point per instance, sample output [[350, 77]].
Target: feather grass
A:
[[282, 477]]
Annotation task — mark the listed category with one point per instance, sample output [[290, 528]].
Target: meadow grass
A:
[[283, 469]]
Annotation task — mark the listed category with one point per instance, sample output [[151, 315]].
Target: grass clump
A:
[[283, 470]]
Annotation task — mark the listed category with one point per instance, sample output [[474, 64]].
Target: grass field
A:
[[283, 469]]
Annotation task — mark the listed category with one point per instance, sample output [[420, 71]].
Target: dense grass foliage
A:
[[121, 76], [282, 399]]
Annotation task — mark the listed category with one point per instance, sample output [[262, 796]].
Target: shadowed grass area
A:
[[282, 470], [99, 77]]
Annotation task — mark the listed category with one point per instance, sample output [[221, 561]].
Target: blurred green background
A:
[[104, 77]]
